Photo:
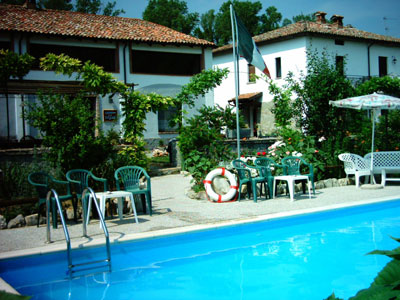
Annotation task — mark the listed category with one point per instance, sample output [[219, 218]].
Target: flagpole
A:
[[236, 71]]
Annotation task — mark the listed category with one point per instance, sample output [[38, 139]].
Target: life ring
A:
[[212, 194]]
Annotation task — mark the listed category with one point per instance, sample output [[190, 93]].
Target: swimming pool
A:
[[304, 257]]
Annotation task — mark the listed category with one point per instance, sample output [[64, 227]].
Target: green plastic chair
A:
[[79, 181], [128, 179], [295, 165], [264, 165], [244, 175], [43, 183]]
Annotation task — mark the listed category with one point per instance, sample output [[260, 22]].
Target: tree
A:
[[247, 11], [305, 101], [15, 2], [201, 143], [88, 6], [171, 13], [56, 4], [95, 7], [298, 18], [323, 82], [67, 124], [206, 30], [109, 9], [388, 129], [270, 20], [85, 6]]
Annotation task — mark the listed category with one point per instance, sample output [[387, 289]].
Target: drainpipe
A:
[[22, 95], [124, 58], [369, 63]]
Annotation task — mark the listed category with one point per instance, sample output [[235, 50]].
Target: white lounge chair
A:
[[356, 165]]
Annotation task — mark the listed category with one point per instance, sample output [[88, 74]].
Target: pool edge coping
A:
[[186, 229]]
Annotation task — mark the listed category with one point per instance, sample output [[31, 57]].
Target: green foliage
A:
[[13, 65], [171, 13], [298, 18], [270, 20], [386, 284], [95, 7], [7, 296], [283, 109], [135, 106], [109, 9], [294, 143], [305, 102], [15, 178], [67, 126], [247, 11], [95, 79], [323, 82], [388, 129], [206, 29], [200, 141], [55, 4], [386, 85], [199, 85]]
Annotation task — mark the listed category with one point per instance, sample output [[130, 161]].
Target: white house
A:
[[147, 56], [284, 50]]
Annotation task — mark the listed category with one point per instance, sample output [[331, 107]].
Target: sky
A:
[[377, 16]]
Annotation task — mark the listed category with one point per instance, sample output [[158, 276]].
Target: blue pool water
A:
[[303, 257]]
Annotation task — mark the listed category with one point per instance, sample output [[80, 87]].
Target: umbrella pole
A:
[[372, 145]]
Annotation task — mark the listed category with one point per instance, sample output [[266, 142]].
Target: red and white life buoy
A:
[[212, 194]]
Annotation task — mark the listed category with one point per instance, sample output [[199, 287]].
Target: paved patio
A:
[[174, 212]]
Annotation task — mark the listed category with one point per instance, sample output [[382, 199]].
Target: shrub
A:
[[201, 142], [294, 143], [68, 129]]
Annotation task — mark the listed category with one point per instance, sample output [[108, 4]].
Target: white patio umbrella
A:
[[374, 102]]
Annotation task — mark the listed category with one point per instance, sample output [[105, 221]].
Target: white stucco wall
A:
[[293, 59], [292, 54], [157, 83]]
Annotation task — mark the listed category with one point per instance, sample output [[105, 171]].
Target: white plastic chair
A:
[[356, 165]]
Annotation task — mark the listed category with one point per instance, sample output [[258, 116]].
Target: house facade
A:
[[146, 56], [285, 50]]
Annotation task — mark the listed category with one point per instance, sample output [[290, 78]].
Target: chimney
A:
[[337, 20], [320, 17], [31, 4]]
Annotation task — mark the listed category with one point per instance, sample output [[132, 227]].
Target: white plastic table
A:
[[291, 180], [103, 196]]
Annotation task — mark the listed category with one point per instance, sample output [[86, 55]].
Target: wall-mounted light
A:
[[394, 60]]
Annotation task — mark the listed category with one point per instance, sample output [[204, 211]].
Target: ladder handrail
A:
[[66, 233], [64, 225], [103, 224]]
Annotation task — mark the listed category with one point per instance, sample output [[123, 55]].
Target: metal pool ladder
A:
[[92, 197]]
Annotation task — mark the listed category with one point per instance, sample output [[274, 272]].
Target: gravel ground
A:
[[174, 211]]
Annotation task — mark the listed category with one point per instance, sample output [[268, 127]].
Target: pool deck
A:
[[174, 212]]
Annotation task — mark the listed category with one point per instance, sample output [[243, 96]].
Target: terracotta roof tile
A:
[[249, 97], [75, 24], [314, 28]]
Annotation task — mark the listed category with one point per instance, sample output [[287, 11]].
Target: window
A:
[[382, 66], [5, 45], [165, 63], [339, 42], [278, 67], [163, 120], [252, 73], [340, 64], [105, 57]]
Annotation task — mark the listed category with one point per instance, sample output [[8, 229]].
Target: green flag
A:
[[248, 49]]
